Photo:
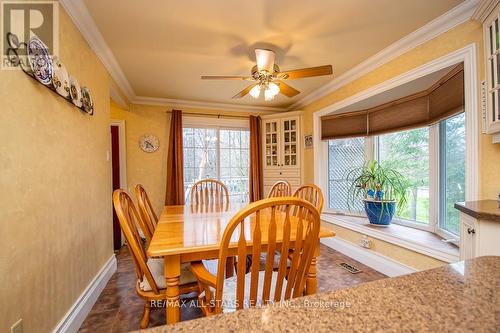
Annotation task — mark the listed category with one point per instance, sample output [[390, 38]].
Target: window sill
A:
[[420, 241]]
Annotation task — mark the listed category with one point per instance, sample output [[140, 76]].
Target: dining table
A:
[[185, 233]]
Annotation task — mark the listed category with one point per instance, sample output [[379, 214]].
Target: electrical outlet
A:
[[17, 327], [365, 242]]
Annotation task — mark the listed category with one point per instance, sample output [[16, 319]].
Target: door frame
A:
[[123, 151]]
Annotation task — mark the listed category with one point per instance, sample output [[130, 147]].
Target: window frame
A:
[[432, 183], [439, 189], [435, 150], [218, 124]]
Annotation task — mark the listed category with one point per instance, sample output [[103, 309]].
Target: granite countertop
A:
[[481, 210], [460, 297]]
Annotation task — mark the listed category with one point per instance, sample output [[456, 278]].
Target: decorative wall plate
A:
[[60, 79], [75, 91], [41, 63], [88, 103], [149, 143], [13, 40]]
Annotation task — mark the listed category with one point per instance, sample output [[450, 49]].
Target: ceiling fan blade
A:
[[265, 59], [306, 72], [225, 77], [245, 91], [286, 90]]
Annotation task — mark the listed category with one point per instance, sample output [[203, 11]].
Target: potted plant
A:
[[381, 189]]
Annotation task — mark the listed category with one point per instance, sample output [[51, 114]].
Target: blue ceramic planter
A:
[[378, 214]]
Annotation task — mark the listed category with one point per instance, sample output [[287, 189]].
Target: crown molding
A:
[[179, 103], [484, 9], [117, 98], [434, 28], [81, 17]]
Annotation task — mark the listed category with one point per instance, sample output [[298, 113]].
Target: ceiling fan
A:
[[268, 77]]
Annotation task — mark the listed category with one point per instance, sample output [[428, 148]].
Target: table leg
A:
[[172, 276], [311, 281]]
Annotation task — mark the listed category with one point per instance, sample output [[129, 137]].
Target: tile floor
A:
[[119, 309]]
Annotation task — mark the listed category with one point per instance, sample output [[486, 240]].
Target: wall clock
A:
[[149, 143]]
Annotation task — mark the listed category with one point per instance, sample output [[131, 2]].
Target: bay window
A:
[[219, 153], [431, 158]]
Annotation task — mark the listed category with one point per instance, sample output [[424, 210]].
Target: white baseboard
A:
[[74, 318], [368, 257]]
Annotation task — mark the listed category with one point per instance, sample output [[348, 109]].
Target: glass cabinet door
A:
[[290, 142], [493, 67], [271, 143]]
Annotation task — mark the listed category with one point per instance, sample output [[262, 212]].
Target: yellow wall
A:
[[149, 169], [55, 202], [489, 154]]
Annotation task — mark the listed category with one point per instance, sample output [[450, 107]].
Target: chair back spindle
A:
[[281, 188], [311, 193], [146, 210]]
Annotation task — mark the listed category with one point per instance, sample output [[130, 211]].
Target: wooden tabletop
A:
[[181, 230]]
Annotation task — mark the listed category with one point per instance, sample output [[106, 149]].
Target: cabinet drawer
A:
[[282, 173], [293, 181], [269, 182]]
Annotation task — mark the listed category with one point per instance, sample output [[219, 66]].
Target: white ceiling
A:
[[163, 46]]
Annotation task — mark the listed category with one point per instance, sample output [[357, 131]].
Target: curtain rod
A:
[[212, 115]]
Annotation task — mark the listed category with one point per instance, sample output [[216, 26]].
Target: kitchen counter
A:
[[481, 210], [460, 297]]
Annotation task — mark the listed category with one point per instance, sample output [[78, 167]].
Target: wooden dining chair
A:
[[146, 210], [261, 227], [311, 193], [281, 188], [209, 194], [151, 283]]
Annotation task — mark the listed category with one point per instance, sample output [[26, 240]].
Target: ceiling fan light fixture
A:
[[255, 91], [274, 88], [268, 95]]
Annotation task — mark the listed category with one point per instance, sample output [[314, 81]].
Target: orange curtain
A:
[[255, 184], [175, 162]]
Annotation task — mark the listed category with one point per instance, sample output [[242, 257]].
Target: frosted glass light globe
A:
[[255, 91]]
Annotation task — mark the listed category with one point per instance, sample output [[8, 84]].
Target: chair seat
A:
[[211, 266], [276, 261], [157, 270], [229, 291]]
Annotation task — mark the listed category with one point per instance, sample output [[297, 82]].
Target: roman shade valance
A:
[[442, 100]]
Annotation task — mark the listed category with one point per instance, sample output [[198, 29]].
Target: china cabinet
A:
[[488, 13], [282, 149]]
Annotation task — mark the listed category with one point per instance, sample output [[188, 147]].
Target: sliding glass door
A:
[[219, 153]]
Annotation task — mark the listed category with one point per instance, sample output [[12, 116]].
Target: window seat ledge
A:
[[420, 241]]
